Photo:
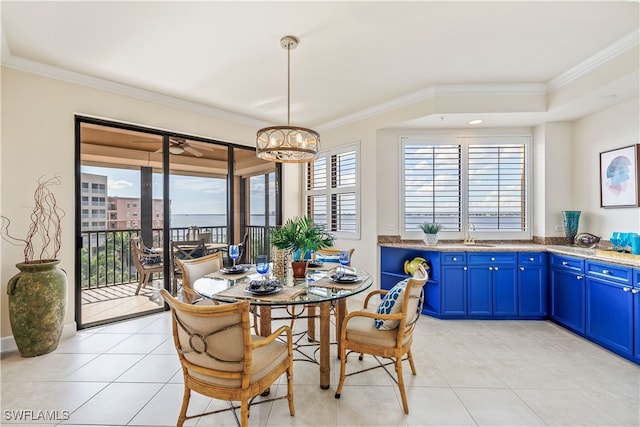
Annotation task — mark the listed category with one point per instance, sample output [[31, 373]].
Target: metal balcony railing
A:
[[107, 259]]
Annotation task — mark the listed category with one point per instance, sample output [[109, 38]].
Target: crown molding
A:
[[33, 67], [507, 89], [624, 44]]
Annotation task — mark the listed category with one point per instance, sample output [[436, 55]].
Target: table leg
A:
[[311, 323], [265, 320], [325, 369], [265, 331], [341, 312]]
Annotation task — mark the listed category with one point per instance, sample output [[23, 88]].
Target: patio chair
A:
[[385, 332], [222, 360], [192, 270], [146, 262]]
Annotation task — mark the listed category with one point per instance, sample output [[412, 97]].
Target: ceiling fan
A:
[[180, 145]]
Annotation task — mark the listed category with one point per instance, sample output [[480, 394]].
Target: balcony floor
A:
[[116, 301]]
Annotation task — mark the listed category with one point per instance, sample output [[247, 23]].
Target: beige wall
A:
[[615, 127]]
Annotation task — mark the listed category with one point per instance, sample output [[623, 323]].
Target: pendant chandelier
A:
[[288, 144]]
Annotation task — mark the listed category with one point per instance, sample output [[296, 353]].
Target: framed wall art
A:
[[619, 177]]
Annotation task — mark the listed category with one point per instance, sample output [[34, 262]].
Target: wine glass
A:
[[345, 259], [234, 253], [262, 265]]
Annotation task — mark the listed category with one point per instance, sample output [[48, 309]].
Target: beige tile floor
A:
[[485, 373]]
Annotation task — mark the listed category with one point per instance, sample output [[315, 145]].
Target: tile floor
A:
[[485, 373]]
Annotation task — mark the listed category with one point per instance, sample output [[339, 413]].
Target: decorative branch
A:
[[45, 231]]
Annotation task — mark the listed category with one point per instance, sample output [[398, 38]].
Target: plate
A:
[[264, 290], [239, 269], [346, 278]]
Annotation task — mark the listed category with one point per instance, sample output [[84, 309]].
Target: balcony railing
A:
[[107, 259]]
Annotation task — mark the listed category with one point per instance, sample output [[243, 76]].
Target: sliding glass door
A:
[[138, 183]]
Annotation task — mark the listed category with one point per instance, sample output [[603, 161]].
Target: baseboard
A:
[[8, 344]]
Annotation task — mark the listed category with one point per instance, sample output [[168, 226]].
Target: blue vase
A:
[[571, 220]]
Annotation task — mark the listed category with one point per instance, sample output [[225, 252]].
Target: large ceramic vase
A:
[[571, 219], [37, 305]]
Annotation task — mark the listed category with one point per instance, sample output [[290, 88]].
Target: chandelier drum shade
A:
[[288, 144]]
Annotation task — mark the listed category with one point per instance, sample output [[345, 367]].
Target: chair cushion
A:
[[150, 259], [361, 329], [264, 361], [391, 304]]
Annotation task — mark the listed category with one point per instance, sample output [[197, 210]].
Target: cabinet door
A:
[[567, 299], [532, 291], [480, 290], [610, 314], [454, 290], [505, 291]]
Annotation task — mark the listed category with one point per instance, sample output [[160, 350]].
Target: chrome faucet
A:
[[468, 240]]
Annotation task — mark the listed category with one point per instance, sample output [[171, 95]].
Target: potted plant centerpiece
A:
[[38, 294], [300, 236], [430, 230]]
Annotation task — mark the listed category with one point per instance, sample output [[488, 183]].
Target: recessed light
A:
[[475, 122]]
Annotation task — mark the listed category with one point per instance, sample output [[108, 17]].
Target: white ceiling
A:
[[354, 58]]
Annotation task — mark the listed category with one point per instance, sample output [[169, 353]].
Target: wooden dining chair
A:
[[222, 360], [193, 269], [185, 250], [385, 331]]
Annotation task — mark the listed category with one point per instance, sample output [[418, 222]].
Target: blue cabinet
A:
[[532, 285], [567, 292], [609, 304], [493, 284], [635, 291], [392, 261], [454, 284]]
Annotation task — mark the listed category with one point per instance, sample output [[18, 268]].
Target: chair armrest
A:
[[372, 315], [373, 293], [274, 335]]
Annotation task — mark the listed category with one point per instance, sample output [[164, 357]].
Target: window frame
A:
[[465, 142], [328, 191]]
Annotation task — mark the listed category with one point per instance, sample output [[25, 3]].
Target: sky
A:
[[193, 195]]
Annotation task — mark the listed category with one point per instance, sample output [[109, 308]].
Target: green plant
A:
[[430, 227], [301, 234]]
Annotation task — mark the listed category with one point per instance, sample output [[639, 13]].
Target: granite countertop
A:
[[596, 254]]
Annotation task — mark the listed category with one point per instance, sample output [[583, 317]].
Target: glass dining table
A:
[[323, 287]]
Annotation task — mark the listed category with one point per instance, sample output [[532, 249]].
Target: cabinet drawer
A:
[[563, 262], [454, 258], [531, 258], [492, 258], [617, 273]]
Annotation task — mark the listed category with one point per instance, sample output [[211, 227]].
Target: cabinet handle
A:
[[565, 263], [464, 268], [490, 268], [495, 268], [605, 271], [531, 259], [626, 289], [493, 259], [579, 277], [635, 291], [454, 259], [521, 268]]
